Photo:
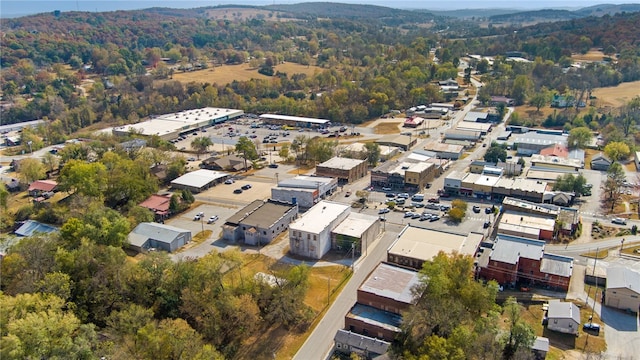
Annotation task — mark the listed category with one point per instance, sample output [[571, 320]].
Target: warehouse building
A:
[[259, 222], [199, 180]]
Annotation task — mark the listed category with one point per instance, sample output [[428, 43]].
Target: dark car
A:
[[488, 210], [390, 195], [595, 328], [486, 224], [246, 187], [273, 165], [237, 191], [434, 200]]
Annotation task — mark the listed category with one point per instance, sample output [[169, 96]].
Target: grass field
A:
[[225, 74], [387, 128], [616, 96], [242, 14], [591, 55]]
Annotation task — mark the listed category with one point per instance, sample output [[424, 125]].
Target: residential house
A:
[[39, 187], [225, 163], [32, 227], [623, 289], [159, 204], [563, 317], [148, 236], [600, 162]]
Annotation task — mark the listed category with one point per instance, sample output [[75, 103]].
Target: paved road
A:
[[319, 344]]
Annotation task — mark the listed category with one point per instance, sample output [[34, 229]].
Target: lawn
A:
[[616, 96], [387, 127], [226, 74]]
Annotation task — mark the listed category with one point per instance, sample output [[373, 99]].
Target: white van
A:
[[417, 197]]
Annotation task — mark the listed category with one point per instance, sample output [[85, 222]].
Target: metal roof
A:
[[355, 225], [509, 249], [541, 344], [267, 214], [391, 282], [379, 318], [535, 138], [372, 345], [31, 227], [305, 182], [244, 212], [176, 122], [556, 265], [294, 118], [199, 178], [563, 310], [159, 232], [618, 278]]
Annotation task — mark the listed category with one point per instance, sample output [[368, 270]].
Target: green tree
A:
[[617, 151], [79, 177], [31, 169], [372, 150], [50, 161], [284, 151], [579, 137], [521, 335], [4, 197], [520, 89], [495, 154], [201, 144], [187, 196], [247, 148], [540, 99]]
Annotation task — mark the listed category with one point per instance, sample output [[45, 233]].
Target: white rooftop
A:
[[556, 265], [294, 118], [168, 123], [563, 310], [341, 163], [319, 217], [424, 244], [623, 278], [199, 178], [392, 282], [487, 180], [355, 225]]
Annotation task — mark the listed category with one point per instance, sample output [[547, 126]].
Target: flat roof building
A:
[[445, 151], [403, 142], [171, 126], [259, 222], [416, 245], [344, 169], [310, 234], [296, 121], [407, 175], [199, 180], [532, 142], [160, 236], [530, 226]]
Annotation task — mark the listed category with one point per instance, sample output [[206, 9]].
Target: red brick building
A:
[[514, 260]]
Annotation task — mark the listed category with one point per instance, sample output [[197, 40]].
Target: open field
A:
[[591, 55], [242, 14], [226, 74], [387, 128], [616, 96]]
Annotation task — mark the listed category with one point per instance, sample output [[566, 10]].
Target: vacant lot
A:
[[387, 127], [591, 55], [225, 74], [616, 96]]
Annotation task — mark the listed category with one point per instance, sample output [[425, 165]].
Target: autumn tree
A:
[[613, 184], [617, 151]]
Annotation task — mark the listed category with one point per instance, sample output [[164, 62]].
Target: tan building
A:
[[344, 169], [529, 226], [623, 289], [415, 245], [407, 175]]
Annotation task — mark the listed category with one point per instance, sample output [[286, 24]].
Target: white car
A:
[[198, 216], [383, 211], [212, 219], [619, 221]]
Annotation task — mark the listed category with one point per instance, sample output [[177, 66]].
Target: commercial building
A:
[[533, 142], [310, 234], [355, 233], [344, 169], [305, 191], [171, 126], [225, 163], [476, 116], [259, 222], [296, 121], [199, 180], [159, 236], [526, 225], [467, 135], [623, 289], [445, 151], [567, 218], [404, 142], [358, 151], [366, 347], [563, 317], [483, 128], [413, 122], [555, 163], [406, 175], [416, 245], [515, 260]]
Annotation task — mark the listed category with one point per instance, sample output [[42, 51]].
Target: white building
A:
[[563, 317], [310, 235], [623, 289], [303, 190]]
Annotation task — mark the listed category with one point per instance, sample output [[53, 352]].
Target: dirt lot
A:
[[591, 55], [227, 73], [616, 96]]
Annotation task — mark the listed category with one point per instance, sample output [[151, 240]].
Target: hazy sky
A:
[[12, 8]]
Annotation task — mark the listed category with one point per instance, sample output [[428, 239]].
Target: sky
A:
[[14, 8]]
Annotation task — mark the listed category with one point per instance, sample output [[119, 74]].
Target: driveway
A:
[[621, 333]]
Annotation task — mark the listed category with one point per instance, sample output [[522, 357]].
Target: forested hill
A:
[[386, 15], [559, 15]]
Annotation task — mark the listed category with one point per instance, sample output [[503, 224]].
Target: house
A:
[[259, 222], [148, 235], [160, 172], [39, 187], [496, 100], [199, 180], [416, 245], [623, 289], [159, 204], [563, 317], [600, 162], [12, 185], [540, 347], [225, 163], [366, 347], [344, 169], [310, 234], [32, 227]]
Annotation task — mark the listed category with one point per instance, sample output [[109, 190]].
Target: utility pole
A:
[[595, 295]]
